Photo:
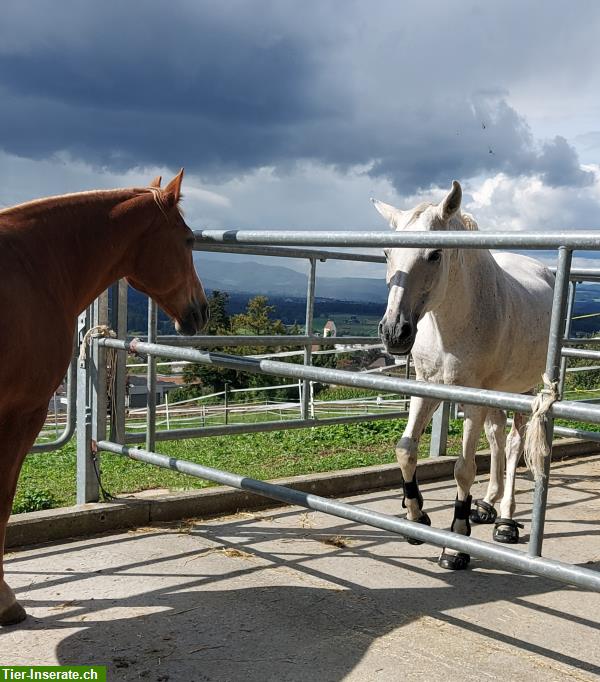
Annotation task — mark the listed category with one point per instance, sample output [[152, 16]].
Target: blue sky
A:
[[292, 114]]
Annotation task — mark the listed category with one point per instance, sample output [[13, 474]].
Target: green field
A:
[[48, 479]]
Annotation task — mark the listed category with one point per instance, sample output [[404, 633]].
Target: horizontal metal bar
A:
[[503, 557], [581, 274], [580, 240], [581, 353], [345, 378], [263, 427], [587, 368], [475, 396], [574, 341], [266, 341], [284, 252], [577, 433], [463, 394]]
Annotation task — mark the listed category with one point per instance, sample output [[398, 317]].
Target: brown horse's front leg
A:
[[17, 434]]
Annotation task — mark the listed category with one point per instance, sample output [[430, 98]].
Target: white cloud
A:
[[522, 203]]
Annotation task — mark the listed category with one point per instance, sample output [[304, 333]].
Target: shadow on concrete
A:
[[202, 629], [242, 624]]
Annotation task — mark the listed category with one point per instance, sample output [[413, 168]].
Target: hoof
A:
[[454, 562], [483, 512], [426, 521], [12, 615], [507, 531]]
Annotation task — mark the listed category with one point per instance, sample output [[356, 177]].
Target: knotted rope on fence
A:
[[94, 333], [537, 447]]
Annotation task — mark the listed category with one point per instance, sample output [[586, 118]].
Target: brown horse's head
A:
[[163, 266]]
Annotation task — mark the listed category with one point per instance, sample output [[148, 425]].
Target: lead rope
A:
[[101, 330], [536, 443]]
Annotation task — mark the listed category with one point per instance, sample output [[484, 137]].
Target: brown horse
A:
[[56, 256]]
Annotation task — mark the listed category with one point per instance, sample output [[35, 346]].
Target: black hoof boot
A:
[[426, 521], [454, 562], [507, 531], [412, 492], [483, 512]]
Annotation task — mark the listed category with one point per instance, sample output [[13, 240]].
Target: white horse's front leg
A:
[[506, 529], [421, 411], [495, 430], [464, 473]]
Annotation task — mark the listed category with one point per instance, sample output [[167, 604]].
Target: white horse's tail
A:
[[536, 443]]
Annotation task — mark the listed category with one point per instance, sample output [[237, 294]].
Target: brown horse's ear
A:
[[156, 181], [172, 191]]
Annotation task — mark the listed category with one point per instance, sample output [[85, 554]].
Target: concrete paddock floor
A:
[[293, 595]]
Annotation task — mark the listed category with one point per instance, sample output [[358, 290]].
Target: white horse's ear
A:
[[391, 214], [450, 205]]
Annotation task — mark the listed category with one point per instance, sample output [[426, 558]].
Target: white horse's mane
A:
[[465, 220]]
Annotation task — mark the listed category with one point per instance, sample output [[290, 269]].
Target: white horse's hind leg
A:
[[495, 430], [507, 530], [464, 474], [419, 415]]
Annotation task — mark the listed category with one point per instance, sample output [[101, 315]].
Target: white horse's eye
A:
[[435, 256]]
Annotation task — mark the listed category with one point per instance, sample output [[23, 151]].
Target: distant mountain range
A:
[[286, 290], [252, 277]]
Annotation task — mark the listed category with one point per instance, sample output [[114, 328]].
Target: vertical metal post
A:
[[87, 483], [118, 322], [439, 430], [55, 415], [98, 383], [226, 401], [553, 358], [567, 334], [305, 409], [151, 379]]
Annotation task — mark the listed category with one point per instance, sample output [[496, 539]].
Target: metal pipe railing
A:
[[581, 353], [286, 244], [502, 556], [234, 340], [553, 358], [284, 252], [263, 427], [579, 240], [508, 401]]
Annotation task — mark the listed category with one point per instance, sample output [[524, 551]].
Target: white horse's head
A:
[[417, 278]]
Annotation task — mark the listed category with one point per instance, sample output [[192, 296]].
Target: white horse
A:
[[470, 318]]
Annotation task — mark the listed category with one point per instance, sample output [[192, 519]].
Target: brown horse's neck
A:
[[80, 243]]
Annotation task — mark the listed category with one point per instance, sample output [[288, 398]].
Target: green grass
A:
[[51, 476]]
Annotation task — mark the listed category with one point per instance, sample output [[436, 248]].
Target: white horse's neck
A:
[[472, 283]]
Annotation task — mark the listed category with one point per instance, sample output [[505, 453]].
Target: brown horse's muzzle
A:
[[194, 320]]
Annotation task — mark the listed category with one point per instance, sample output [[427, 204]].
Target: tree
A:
[[254, 321], [219, 321]]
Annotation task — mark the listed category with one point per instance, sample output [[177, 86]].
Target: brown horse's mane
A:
[[79, 198]]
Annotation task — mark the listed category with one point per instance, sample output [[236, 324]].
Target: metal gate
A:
[[92, 423]]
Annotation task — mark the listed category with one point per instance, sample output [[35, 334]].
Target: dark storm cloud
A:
[[225, 88]]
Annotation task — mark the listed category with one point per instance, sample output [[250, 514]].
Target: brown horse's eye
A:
[[190, 241]]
